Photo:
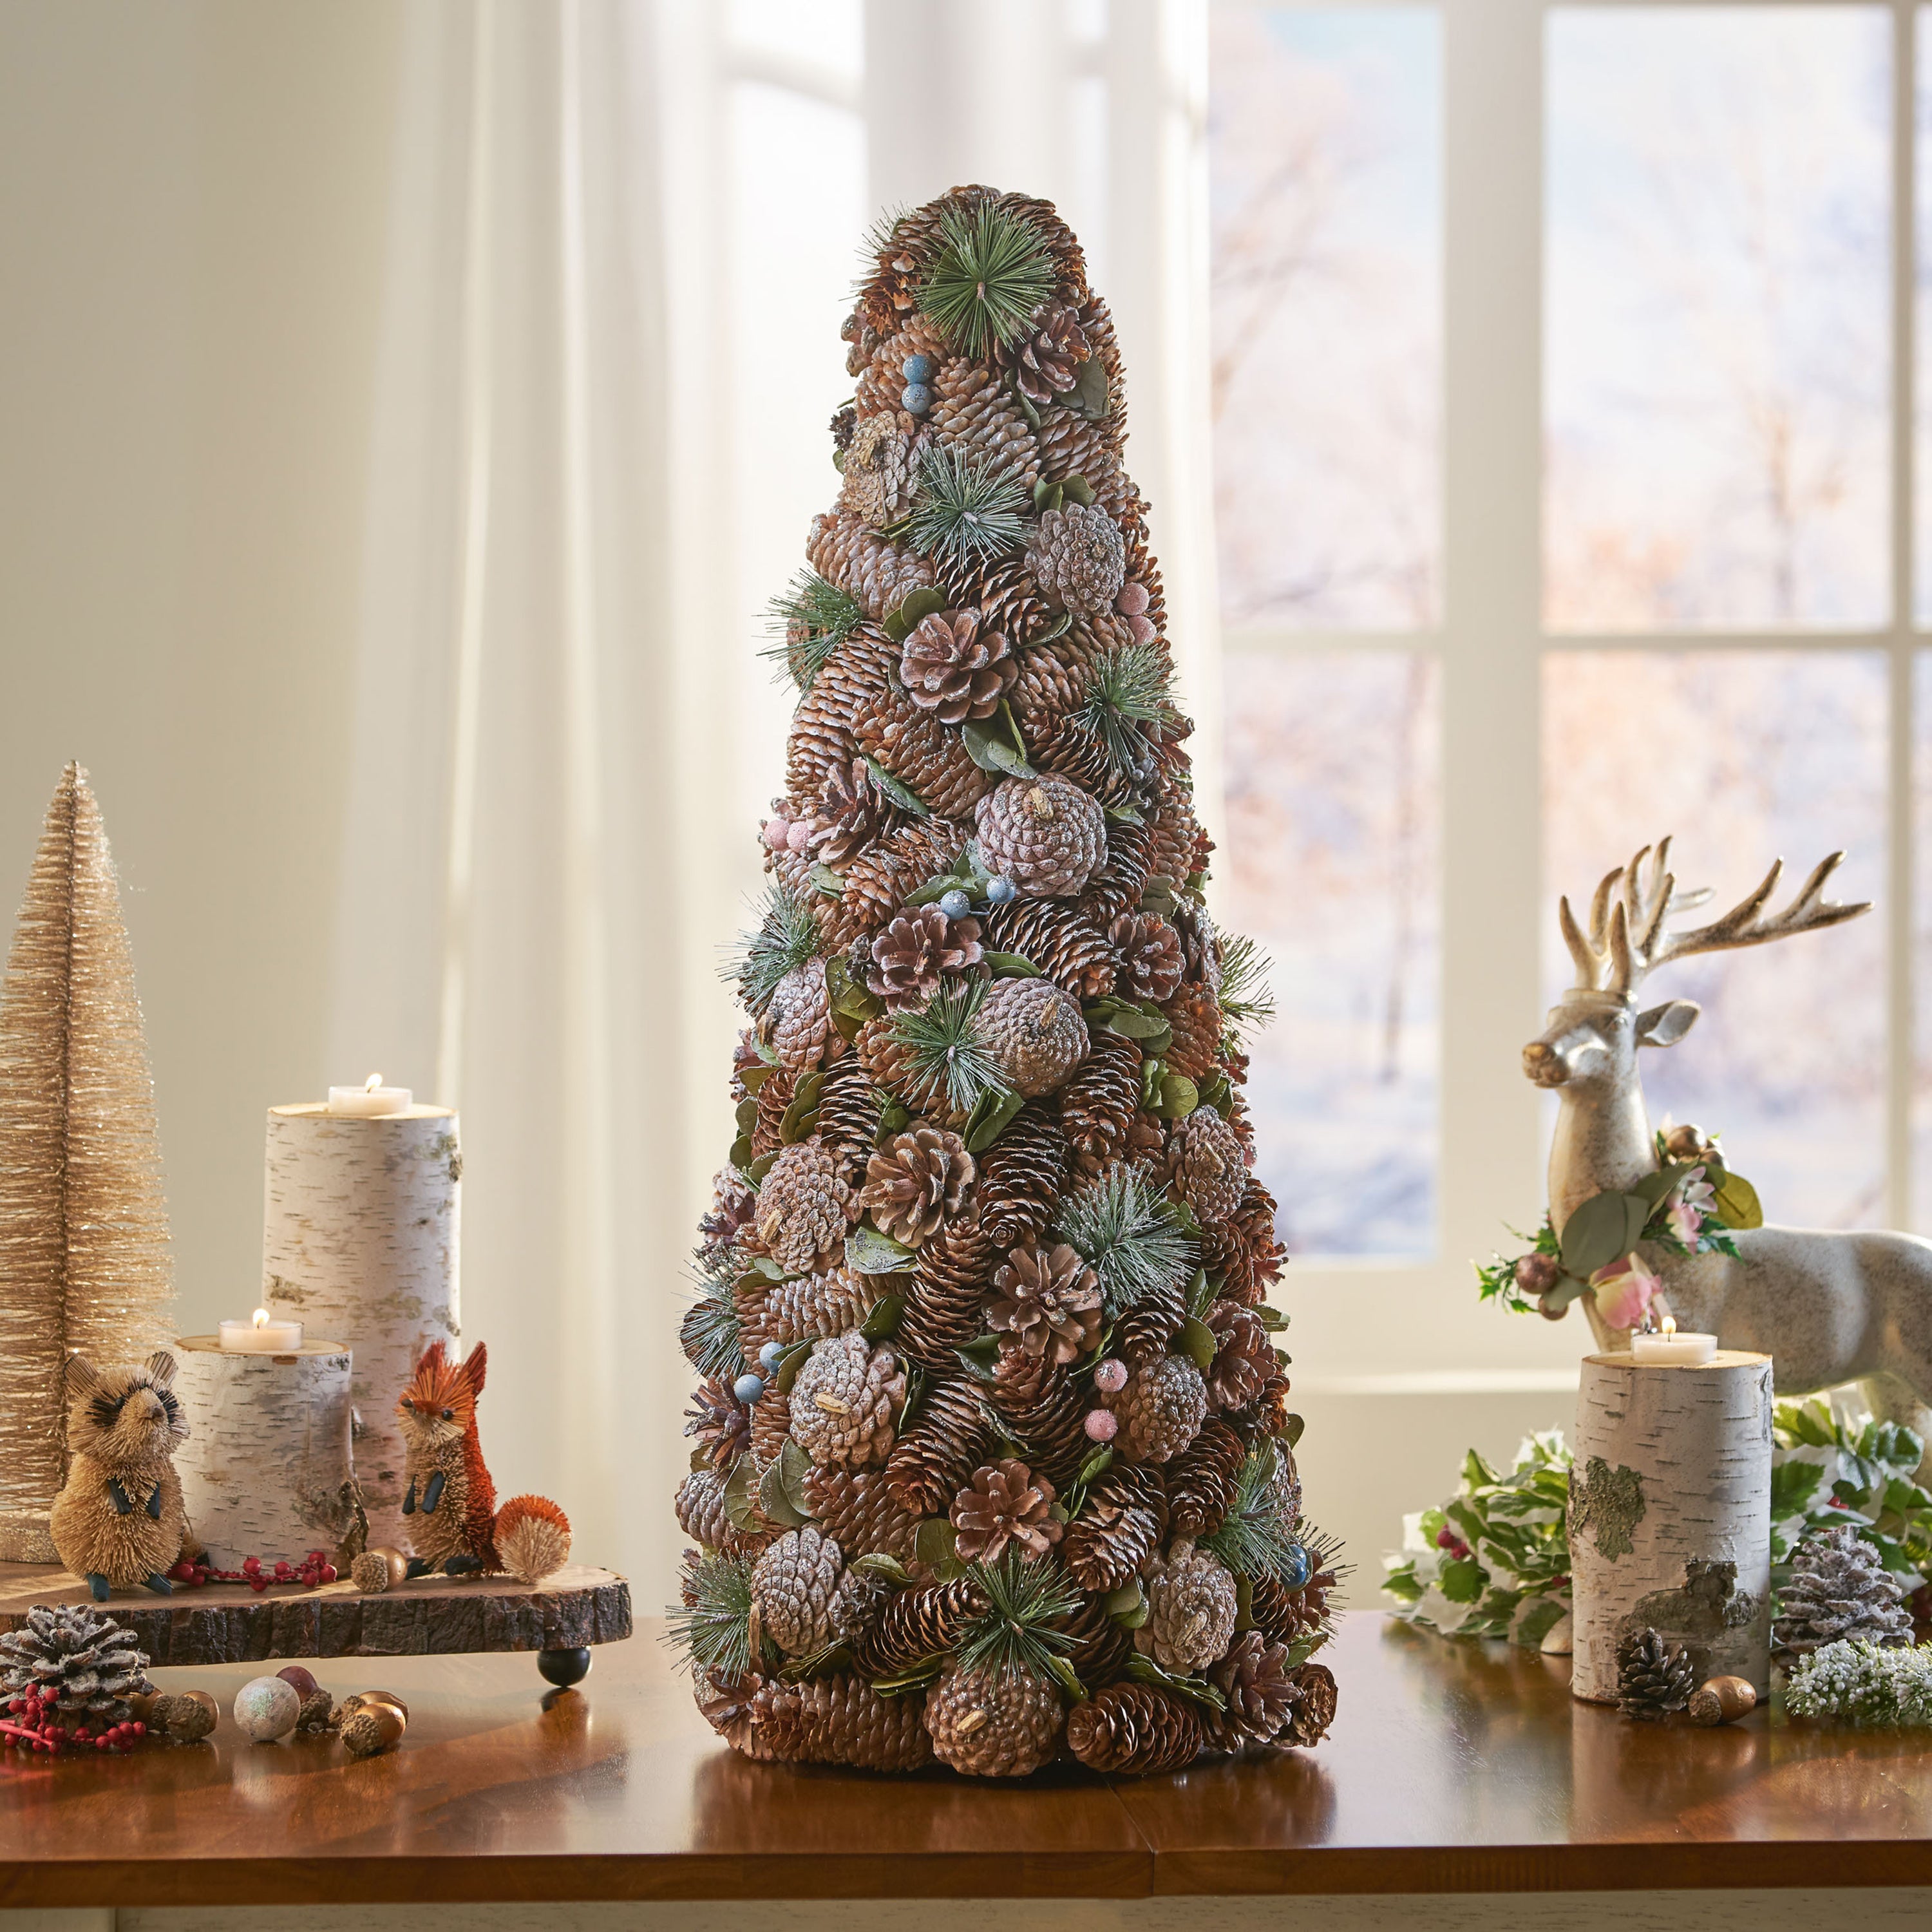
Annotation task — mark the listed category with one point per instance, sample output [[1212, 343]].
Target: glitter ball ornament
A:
[[266, 1709]]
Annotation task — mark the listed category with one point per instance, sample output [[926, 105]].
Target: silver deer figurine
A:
[[1828, 1307]]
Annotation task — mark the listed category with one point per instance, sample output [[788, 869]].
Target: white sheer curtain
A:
[[610, 224]]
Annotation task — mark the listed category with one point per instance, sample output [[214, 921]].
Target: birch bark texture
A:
[[361, 1238], [1670, 1515], [267, 1469]]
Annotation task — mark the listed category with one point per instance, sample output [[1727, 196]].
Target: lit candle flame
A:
[[369, 1085], [261, 1318], [1670, 1324]]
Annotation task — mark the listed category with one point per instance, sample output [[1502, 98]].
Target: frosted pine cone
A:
[[880, 471], [1261, 1693], [1005, 1503], [1125, 1515], [1036, 1032], [721, 1423], [1097, 1105], [1044, 833], [1205, 1164], [1840, 1588], [1161, 1409], [1149, 951], [992, 1726], [852, 814], [1045, 362], [1195, 1015], [973, 410], [957, 667], [78, 1657], [853, 1507], [881, 573], [911, 958], [794, 1585], [1061, 939], [1244, 1358], [844, 1402], [702, 1516], [918, 1180], [798, 1022], [1049, 1300], [1202, 1481], [814, 1307], [1191, 1609], [804, 1207], [1077, 557], [889, 1065]]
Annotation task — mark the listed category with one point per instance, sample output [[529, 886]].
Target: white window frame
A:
[[1423, 1329]]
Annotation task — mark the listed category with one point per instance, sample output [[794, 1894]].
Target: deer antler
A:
[[1745, 925]]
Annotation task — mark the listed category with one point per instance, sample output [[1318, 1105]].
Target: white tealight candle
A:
[[1666, 1349], [371, 1099], [263, 1336]]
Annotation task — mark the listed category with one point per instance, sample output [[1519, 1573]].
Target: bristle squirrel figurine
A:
[[458, 1526], [118, 1521]]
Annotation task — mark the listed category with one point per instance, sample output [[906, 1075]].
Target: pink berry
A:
[[1110, 1376], [1142, 628], [1132, 600], [799, 836], [775, 834], [1102, 1425]]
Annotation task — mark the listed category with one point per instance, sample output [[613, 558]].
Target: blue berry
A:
[[915, 399], [747, 1388], [1002, 891], [768, 1356], [954, 904], [919, 369], [1298, 1567]]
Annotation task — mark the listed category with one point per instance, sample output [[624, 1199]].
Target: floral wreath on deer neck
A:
[[1692, 1205]]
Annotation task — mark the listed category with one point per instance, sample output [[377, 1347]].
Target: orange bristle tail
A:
[[532, 1538]]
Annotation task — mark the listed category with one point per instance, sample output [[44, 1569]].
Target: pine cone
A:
[[1042, 1406], [1060, 940], [793, 1584], [1260, 1691], [843, 1720], [1101, 1647], [922, 753], [917, 1181], [1022, 1175], [1195, 1015], [774, 1096], [945, 1441], [1069, 445], [881, 573], [1245, 1361], [973, 411], [852, 1507], [1840, 1588], [956, 668], [1049, 1300], [721, 1423], [1044, 833], [730, 1705], [882, 387], [1206, 1166], [1314, 1706], [1137, 1728], [851, 815], [1191, 1609], [1200, 944], [1004, 1503], [878, 882], [1243, 1250], [798, 1022], [1653, 1677], [888, 1065], [944, 1296], [1045, 362], [843, 1400], [910, 958], [1145, 1332], [881, 471], [849, 1108], [815, 1307], [1077, 557], [701, 1515], [1124, 1517], [1000, 590], [921, 1621], [1096, 1106], [804, 1206], [1035, 1031], [993, 1726], [1201, 1479], [771, 1423], [823, 739], [1161, 1409], [1149, 951], [86, 1662]]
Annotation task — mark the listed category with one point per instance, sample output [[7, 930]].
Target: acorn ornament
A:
[[1722, 1700], [370, 1723], [379, 1567]]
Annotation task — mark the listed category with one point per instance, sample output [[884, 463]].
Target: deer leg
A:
[[1894, 1399]]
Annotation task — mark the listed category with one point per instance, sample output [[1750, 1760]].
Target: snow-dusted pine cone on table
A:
[[992, 1457]]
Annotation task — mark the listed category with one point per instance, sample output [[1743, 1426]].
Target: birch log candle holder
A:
[[360, 1240], [267, 1470], [1670, 1515]]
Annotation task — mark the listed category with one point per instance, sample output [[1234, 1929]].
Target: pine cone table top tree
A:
[[932, 1518]]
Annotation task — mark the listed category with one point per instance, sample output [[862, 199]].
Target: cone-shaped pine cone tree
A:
[[990, 1447]]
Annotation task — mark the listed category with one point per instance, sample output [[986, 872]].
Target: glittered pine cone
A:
[[849, 1110], [955, 667], [852, 1506], [880, 573], [881, 470], [794, 1585], [908, 961], [815, 1307], [1077, 557], [1195, 1015], [936, 1454], [1022, 1175], [797, 1024], [1161, 1409], [1124, 1518], [1045, 361], [1036, 1032], [1191, 1609], [1202, 1481], [1314, 1706], [1097, 1105], [1137, 1728], [1005, 1503], [1243, 1250], [974, 410], [804, 1207], [720, 1423], [843, 1401], [1206, 1166], [852, 815], [1044, 833], [1048, 1299], [990, 1724], [1145, 1332], [734, 1208], [1061, 938], [1149, 950], [702, 1516], [1244, 1358], [918, 1180], [889, 1065], [1260, 1689], [1044, 1408]]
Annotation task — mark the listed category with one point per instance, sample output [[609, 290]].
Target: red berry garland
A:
[[38, 1732], [314, 1570]]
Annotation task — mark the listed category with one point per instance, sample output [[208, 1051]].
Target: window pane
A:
[[1716, 311], [1330, 862], [1744, 755], [1922, 941], [1921, 427], [1324, 150]]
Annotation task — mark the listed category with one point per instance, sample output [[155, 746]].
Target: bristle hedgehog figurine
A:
[[118, 1520], [458, 1526]]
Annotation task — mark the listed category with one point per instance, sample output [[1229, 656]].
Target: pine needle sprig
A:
[[1128, 687], [713, 1631], [1012, 1636], [711, 1331], [1257, 1539], [943, 1044], [991, 272], [1247, 1003], [809, 619], [784, 940], [1129, 1237], [966, 509]]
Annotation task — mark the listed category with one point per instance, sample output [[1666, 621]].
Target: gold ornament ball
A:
[[1722, 1700]]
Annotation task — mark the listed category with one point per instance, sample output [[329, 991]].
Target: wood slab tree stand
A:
[[361, 1238], [266, 1470], [433, 1617], [1670, 1515]]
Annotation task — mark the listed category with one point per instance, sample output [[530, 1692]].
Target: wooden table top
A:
[[1454, 1767]]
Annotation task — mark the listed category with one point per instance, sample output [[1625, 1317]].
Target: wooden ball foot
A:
[[563, 1667]]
